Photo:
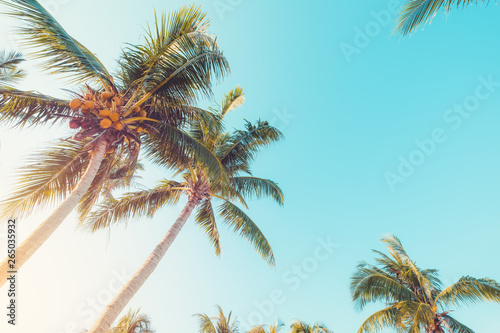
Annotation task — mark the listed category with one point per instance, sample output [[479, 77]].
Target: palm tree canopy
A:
[[148, 104], [133, 322], [302, 327], [217, 324], [235, 152], [414, 297], [416, 13], [275, 328], [10, 73]]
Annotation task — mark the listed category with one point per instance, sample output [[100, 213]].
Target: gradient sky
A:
[[354, 108]]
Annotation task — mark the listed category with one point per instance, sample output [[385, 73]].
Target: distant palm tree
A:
[[302, 327], [217, 324], [415, 299], [9, 69], [235, 151], [418, 12], [147, 104], [133, 322], [276, 328]]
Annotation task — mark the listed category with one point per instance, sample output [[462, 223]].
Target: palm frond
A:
[[133, 322], [50, 175], [469, 290], [232, 100], [257, 187], [418, 12], [61, 53], [206, 220], [21, 108], [370, 284], [240, 222], [133, 205], [389, 317], [169, 146], [10, 73], [454, 326]]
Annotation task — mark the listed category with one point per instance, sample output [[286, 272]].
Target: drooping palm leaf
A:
[[418, 12], [61, 53], [205, 219], [469, 290], [256, 187], [454, 326], [241, 223], [380, 320]]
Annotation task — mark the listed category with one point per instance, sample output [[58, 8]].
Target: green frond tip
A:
[[232, 100], [416, 13]]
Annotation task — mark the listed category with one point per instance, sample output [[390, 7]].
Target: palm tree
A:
[[9, 68], [301, 327], [235, 152], [414, 297], [418, 12], [133, 322], [217, 324], [147, 103], [276, 328]]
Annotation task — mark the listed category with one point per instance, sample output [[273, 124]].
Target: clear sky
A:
[[384, 135]]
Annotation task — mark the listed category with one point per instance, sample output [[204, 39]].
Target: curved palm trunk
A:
[[129, 289], [51, 223]]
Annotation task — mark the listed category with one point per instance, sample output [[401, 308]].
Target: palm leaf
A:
[[232, 100], [469, 290], [418, 12], [21, 108], [454, 326], [206, 220], [236, 219], [386, 318], [258, 188], [133, 205], [9, 71], [61, 53], [50, 176]]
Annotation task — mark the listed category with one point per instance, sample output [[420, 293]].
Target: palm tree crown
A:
[[217, 324], [235, 151], [415, 299], [302, 327]]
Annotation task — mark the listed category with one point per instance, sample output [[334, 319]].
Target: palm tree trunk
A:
[[129, 289], [51, 223]]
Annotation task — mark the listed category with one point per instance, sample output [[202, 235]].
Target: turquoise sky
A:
[[384, 135]]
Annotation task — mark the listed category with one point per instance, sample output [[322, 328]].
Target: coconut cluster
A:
[[96, 112]]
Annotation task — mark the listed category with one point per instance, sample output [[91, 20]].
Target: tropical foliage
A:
[[146, 103], [235, 153], [217, 324], [302, 327], [416, 13], [415, 298], [10, 73]]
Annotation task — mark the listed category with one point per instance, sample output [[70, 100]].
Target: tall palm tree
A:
[[10, 72], [275, 328], [217, 324], [418, 12], [301, 327], [147, 103], [414, 297], [235, 152]]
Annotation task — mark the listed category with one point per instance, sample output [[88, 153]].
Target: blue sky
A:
[[349, 122]]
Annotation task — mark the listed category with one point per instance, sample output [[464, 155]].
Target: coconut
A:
[[89, 105], [117, 100], [114, 116], [139, 129], [106, 123], [118, 125], [105, 95], [143, 113], [105, 113], [108, 104], [74, 123], [137, 109], [75, 104]]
